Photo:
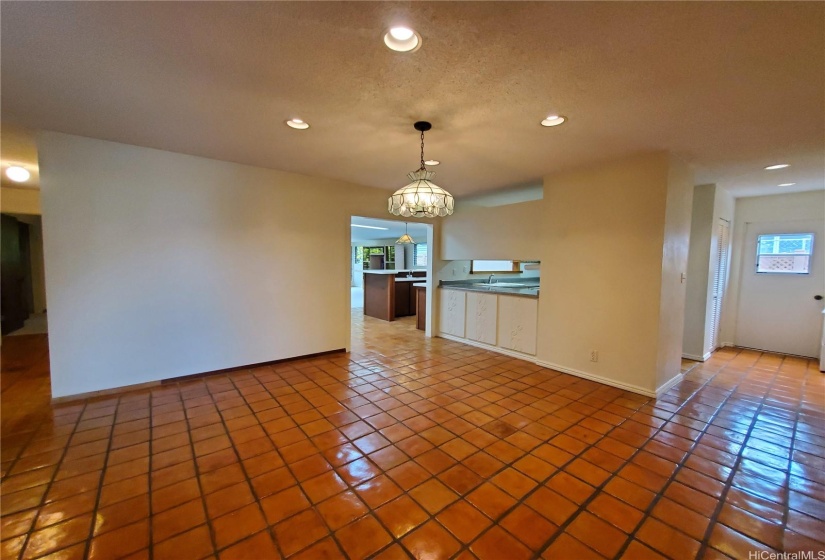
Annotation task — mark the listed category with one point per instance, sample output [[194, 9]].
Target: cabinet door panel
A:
[[481, 317], [402, 299], [452, 305], [517, 320]]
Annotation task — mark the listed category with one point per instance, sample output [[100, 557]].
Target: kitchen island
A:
[[389, 294]]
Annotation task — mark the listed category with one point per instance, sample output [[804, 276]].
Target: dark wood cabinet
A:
[[402, 299], [387, 296], [412, 298], [420, 307]]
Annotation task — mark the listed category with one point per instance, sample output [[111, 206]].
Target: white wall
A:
[[604, 287], [778, 208], [161, 265]]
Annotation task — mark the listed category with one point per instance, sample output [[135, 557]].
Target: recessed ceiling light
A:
[[785, 184], [402, 39], [297, 123], [368, 227], [18, 174], [432, 162], [777, 166], [553, 120]]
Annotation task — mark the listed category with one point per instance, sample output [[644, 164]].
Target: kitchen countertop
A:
[[483, 287], [392, 271], [419, 285]]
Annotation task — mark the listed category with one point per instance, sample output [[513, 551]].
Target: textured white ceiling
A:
[[728, 86]]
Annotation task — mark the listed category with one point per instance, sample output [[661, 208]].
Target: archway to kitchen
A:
[[391, 277]]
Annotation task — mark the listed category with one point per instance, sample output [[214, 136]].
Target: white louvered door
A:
[[719, 282]]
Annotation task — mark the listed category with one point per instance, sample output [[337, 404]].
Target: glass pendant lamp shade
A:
[[421, 198], [405, 239]]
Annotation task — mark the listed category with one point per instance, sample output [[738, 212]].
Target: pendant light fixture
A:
[[405, 239], [422, 198]]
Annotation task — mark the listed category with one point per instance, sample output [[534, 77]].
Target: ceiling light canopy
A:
[[421, 198], [553, 120], [405, 239], [18, 174], [297, 123], [777, 166], [402, 39]]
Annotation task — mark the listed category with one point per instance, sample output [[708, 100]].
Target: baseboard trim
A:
[[106, 392], [556, 367], [696, 358], [598, 379], [251, 366], [496, 349], [667, 385], [150, 384]]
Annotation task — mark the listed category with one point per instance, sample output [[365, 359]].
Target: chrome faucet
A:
[[490, 279]]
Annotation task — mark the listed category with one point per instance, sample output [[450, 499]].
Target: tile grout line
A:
[[647, 513], [375, 375], [150, 486], [704, 543], [103, 470], [270, 528], [332, 533], [51, 482], [787, 509]]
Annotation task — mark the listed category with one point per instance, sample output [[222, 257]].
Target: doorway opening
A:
[[390, 282], [23, 290]]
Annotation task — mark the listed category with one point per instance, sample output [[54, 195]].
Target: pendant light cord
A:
[[422, 150]]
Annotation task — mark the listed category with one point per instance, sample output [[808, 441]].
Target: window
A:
[[420, 254], [481, 266], [784, 253]]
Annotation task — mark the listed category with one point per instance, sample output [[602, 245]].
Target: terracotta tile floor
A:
[[414, 447]]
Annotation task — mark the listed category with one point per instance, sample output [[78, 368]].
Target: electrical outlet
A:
[[594, 355], [465, 269]]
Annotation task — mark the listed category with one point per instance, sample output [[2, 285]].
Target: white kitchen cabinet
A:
[[481, 317], [452, 306], [517, 321]]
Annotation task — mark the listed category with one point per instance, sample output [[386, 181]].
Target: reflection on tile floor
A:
[[415, 447]]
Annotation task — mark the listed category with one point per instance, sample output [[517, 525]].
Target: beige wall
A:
[[674, 271], [696, 308], [710, 204], [161, 265], [503, 232], [602, 248], [20, 201]]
